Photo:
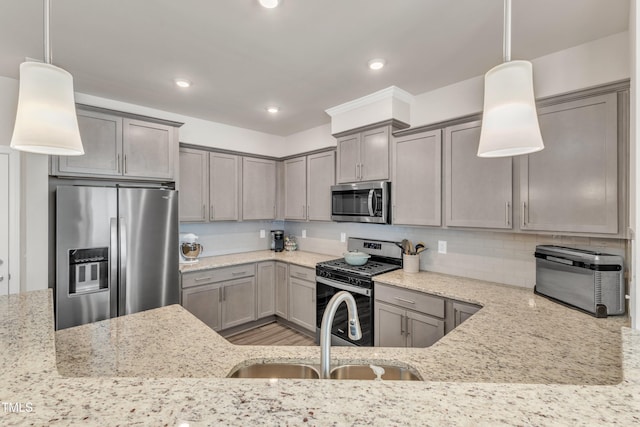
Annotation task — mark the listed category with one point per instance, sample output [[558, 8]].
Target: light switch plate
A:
[[442, 246], [343, 237], [262, 234], [304, 234]]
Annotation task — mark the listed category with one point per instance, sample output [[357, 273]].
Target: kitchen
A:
[[509, 259]]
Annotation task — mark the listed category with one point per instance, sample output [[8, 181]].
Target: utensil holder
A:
[[410, 263]]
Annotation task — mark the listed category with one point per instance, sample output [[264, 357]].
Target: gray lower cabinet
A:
[[478, 191], [194, 185], [321, 175], [221, 297], [572, 185], [417, 180], [405, 318], [204, 303], [224, 187], [258, 188], [295, 188], [266, 274], [282, 290], [462, 311], [238, 302], [302, 297]]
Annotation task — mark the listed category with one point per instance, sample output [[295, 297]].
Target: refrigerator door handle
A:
[[122, 296], [113, 267]]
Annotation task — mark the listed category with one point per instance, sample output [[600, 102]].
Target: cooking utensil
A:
[[405, 246], [356, 258]]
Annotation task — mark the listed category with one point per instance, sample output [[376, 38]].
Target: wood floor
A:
[[271, 334]]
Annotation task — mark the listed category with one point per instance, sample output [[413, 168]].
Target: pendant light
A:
[[46, 121], [509, 120]]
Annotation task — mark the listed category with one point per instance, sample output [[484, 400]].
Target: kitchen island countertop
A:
[[165, 367]]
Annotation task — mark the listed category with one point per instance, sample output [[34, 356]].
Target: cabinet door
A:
[[224, 188], [462, 312], [194, 185], [204, 303], [321, 175], [348, 158], [295, 188], [302, 303], [149, 149], [389, 330], [571, 185], [423, 331], [374, 155], [258, 188], [416, 181], [238, 302], [266, 288], [478, 191], [101, 136], [282, 290]]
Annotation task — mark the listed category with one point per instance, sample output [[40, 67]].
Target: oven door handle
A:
[[343, 286], [372, 194]]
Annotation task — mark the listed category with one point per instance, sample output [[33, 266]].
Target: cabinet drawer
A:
[[302, 273], [217, 275], [417, 301]]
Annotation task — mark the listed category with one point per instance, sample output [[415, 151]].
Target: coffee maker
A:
[[277, 240]]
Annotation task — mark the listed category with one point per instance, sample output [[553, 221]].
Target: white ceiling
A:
[[304, 56]]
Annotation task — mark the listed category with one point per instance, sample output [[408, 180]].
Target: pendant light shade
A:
[[510, 120], [46, 120]]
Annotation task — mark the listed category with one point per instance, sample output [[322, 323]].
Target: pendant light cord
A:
[[47, 44], [506, 35]]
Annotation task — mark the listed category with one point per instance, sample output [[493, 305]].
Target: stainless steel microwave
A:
[[361, 202]]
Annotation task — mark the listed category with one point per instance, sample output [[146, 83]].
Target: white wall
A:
[[310, 139], [8, 105]]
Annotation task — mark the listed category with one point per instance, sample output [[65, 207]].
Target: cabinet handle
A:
[[524, 208], [238, 273], [118, 163], [220, 295], [308, 208], [361, 167], [201, 279], [506, 209], [405, 300], [224, 294], [212, 212], [203, 208], [401, 324], [125, 164], [406, 326]]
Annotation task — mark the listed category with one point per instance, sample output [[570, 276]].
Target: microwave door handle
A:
[[372, 193]]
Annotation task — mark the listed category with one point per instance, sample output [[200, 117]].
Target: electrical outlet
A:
[[442, 246], [304, 234], [343, 237], [262, 234]]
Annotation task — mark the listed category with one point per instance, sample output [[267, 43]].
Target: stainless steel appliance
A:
[[336, 275], [190, 249], [361, 202], [277, 240], [116, 252], [587, 280]]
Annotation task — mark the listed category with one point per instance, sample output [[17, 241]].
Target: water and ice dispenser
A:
[[88, 270]]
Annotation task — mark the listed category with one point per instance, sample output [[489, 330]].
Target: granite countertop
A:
[[518, 361], [304, 259]]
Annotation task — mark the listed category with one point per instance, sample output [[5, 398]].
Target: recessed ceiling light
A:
[[273, 110], [269, 4], [376, 64], [182, 83]]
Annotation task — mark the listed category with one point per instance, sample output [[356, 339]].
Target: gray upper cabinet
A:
[[295, 188], [149, 149], [417, 179], [224, 187], [478, 191], [101, 136], [364, 156], [321, 175], [121, 147], [572, 185], [194, 185], [258, 188]]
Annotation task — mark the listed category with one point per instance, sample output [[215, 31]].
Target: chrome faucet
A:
[[355, 333]]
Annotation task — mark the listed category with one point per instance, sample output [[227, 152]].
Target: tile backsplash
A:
[[494, 256]]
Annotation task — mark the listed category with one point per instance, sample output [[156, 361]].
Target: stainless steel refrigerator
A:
[[116, 252]]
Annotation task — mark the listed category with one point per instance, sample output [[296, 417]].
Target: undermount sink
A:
[[343, 372], [366, 372], [276, 370]]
